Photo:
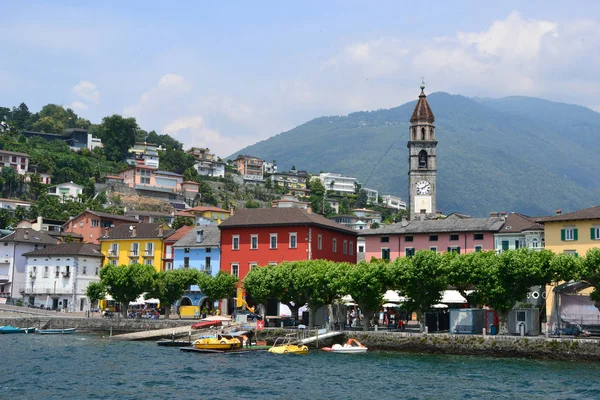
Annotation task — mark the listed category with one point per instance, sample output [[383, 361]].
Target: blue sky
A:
[[228, 75]]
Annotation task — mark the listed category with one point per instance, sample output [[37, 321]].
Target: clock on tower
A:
[[422, 161]]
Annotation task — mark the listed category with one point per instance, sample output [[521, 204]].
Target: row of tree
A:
[[125, 283], [499, 281]]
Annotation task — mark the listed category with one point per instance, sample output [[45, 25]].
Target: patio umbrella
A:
[[216, 318], [389, 305]]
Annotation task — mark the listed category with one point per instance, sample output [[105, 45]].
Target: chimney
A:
[[309, 208], [39, 221], [404, 222], [26, 235], [503, 215], [199, 236], [558, 212], [231, 211], [106, 231], [493, 214], [160, 230], [133, 231]]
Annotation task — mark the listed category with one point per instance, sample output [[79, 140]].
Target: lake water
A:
[[89, 367]]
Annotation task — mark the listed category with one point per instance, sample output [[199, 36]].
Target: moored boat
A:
[[13, 329], [285, 346], [350, 347], [55, 331], [217, 342]]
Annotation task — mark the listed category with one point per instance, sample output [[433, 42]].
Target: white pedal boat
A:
[[350, 347]]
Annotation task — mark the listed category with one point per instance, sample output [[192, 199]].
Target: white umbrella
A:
[[389, 305]]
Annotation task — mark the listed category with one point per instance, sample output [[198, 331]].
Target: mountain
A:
[[510, 154]]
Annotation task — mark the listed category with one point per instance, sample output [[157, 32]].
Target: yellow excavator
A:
[[241, 302]]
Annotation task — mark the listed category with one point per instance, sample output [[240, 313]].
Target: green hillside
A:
[[511, 154]]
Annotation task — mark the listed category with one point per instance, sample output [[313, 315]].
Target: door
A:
[[65, 303], [81, 304], [54, 304]]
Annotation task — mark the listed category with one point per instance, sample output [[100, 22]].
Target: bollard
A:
[[376, 327], [426, 329], [110, 331], [522, 329]]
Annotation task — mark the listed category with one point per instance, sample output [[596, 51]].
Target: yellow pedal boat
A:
[[217, 342], [285, 346]]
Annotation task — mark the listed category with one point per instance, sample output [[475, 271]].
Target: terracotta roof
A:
[[14, 153], [184, 214], [492, 224], [280, 216], [68, 249], [142, 231], [579, 215], [179, 233], [422, 112], [206, 208], [211, 237], [15, 200], [107, 216], [516, 222], [32, 237]]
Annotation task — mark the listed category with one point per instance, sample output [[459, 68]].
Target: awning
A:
[[108, 297], [392, 296]]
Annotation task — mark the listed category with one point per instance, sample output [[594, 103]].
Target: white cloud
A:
[[78, 106], [87, 91], [174, 82]]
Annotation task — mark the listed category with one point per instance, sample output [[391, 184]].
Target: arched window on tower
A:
[[414, 132], [422, 133], [422, 159]]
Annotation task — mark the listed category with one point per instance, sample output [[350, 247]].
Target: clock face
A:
[[423, 187]]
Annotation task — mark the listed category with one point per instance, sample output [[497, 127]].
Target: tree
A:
[[180, 221], [9, 179], [168, 286], [176, 160], [118, 136], [20, 117], [221, 286], [421, 278], [252, 204], [260, 284], [48, 125], [289, 289], [466, 272], [366, 283], [362, 199], [6, 219], [95, 291], [125, 283], [590, 273], [191, 174], [321, 282]]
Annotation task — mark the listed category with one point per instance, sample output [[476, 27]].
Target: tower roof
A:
[[422, 112]]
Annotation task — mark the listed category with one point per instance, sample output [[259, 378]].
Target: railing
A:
[[112, 253], [149, 253], [134, 254], [66, 274]]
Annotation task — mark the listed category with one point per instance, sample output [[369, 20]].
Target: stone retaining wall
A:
[[99, 325]]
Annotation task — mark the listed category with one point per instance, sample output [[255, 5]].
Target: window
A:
[[235, 242], [235, 270], [385, 239], [149, 261], [433, 238], [504, 245], [168, 266], [334, 245], [385, 254], [208, 249], [95, 223], [169, 251], [351, 248], [568, 234], [293, 240], [522, 243], [345, 247], [410, 252], [207, 266], [534, 243], [135, 249], [81, 224], [96, 271], [595, 233], [252, 265], [477, 249], [571, 252], [132, 261], [186, 262], [113, 262], [149, 249], [84, 270], [478, 236], [253, 242], [273, 241], [272, 263], [320, 242], [408, 238], [433, 248], [186, 250], [454, 249], [361, 249], [454, 237]]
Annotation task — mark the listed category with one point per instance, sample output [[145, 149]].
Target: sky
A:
[[225, 75]]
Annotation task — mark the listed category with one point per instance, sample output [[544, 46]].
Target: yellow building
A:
[[135, 244], [572, 233], [209, 213]]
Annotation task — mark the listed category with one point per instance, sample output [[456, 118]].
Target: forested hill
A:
[[511, 154]]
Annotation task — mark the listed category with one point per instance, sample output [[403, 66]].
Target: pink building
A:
[[143, 177], [462, 235]]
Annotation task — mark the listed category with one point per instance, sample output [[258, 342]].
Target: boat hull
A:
[[56, 331], [214, 346], [289, 349], [346, 351], [12, 329]]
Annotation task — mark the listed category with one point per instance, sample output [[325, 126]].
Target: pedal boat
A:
[[350, 347], [217, 342], [284, 346]]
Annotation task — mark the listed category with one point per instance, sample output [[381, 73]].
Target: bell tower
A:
[[422, 185]]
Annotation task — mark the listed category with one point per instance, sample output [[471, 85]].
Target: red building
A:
[[268, 236], [91, 224]]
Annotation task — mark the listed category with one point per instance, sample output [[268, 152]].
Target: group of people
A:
[[151, 313], [394, 319]]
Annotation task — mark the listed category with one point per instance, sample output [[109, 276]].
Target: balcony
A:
[[113, 254], [134, 254], [31, 276], [3, 278], [66, 274], [148, 254]]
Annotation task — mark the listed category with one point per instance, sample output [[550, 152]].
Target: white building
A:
[[12, 262], [144, 153], [289, 201], [66, 191], [337, 182], [12, 204], [269, 168], [393, 202], [58, 276], [519, 231], [210, 168], [17, 161], [372, 195]]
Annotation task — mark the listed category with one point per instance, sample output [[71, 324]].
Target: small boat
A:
[[55, 331], [217, 342], [13, 329], [284, 345], [205, 324], [350, 347]]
